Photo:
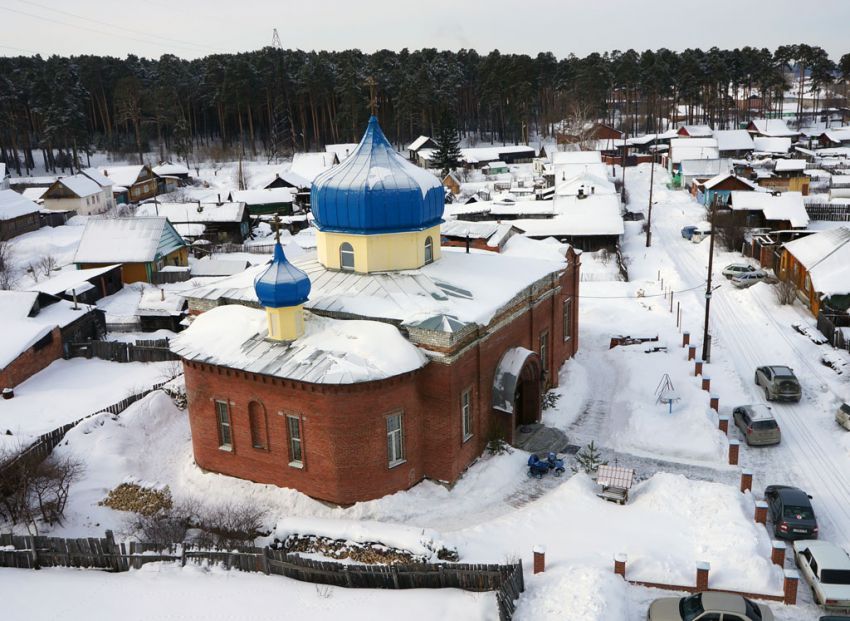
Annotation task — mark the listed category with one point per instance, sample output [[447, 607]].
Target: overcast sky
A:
[[194, 28]]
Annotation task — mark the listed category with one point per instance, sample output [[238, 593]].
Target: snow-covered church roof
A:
[[376, 190]]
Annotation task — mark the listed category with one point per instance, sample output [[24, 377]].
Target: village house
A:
[[772, 210], [837, 137], [717, 190], [170, 177], [83, 286], [341, 150], [423, 142], [214, 222], [18, 215], [788, 176], [79, 193], [384, 360], [771, 128], [702, 170], [36, 328], [452, 182], [586, 222], [695, 131], [817, 266], [682, 149], [132, 183], [735, 143], [485, 235], [771, 146], [267, 201], [142, 246]]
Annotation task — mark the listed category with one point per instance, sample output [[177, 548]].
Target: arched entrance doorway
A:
[[517, 385]]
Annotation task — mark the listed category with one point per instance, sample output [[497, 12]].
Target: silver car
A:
[[757, 424], [708, 607], [842, 415], [747, 279], [736, 269], [779, 382]]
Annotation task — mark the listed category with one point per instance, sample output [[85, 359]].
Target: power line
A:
[[102, 23], [638, 297], [94, 30], [18, 49]]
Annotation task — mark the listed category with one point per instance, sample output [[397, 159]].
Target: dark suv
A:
[[791, 511], [779, 382]]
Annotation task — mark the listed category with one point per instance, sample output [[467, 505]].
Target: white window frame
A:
[[466, 414], [346, 250], [225, 425], [295, 440], [395, 439], [429, 250]]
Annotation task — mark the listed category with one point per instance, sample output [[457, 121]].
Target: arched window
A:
[[346, 256], [429, 250], [257, 421]]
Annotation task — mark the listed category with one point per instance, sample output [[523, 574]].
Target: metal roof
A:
[[376, 190]]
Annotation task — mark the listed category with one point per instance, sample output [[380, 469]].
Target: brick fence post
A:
[[789, 587], [620, 564], [734, 447], [746, 480], [539, 559], [686, 339], [706, 383], [714, 402], [692, 352], [761, 512], [702, 576], [777, 553], [723, 424], [697, 368]]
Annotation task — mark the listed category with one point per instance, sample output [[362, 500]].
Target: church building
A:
[[384, 359]]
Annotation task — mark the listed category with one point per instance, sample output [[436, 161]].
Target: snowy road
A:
[[748, 334]]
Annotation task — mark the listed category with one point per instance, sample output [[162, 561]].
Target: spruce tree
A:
[[447, 155], [589, 459]]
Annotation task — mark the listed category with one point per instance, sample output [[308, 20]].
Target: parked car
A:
[[736, 269], [742, 281], [757, 424], [779, 382], [826, 567], [696, 232], [834, 618], [842, 415], [709, 606], [791, 511]]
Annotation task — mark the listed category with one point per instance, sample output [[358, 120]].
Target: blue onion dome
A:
[[282, 284], [376, 190]]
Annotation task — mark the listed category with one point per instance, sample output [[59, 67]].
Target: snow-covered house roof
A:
[[705, 167], [775, 128], [718, 179], [170, 170], [734, 140], [775, 206], [69, 280], [79, 185], [790, 166], [14, 205], [576, 157], [308, 166], [826, 256], [587, 183], [837, 135], [185, 213], [495, 233], [219, 267], [125, 176], [342, 150], [418, 143], [477, 155], [330, 351], [263, 197], [776, 145], [696, 131], [470, 287], [33, 194], [596, 215], [127, 240], [693, 149], [96, 176]]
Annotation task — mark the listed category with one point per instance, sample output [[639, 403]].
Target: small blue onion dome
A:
[[282, 284], [376, 190]]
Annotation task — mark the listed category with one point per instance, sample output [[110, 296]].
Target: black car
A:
[[791, 511], [834, 618]]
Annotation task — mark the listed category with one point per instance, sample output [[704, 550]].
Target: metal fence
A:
[[27, 552]]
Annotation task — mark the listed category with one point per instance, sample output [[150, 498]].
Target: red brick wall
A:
[[344, 427], [31, 362]]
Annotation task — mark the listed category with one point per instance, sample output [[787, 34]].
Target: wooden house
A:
[[132, 183], [79, 193], [142, 245], [215, 222], [695, 131], [84, 286], [18, 215], [771, 128], [452, 182], [773, 210], [265, 201], [817, 266], [423, 142], [718, 189]]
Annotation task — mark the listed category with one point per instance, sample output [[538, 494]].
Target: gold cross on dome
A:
[[276, 227]]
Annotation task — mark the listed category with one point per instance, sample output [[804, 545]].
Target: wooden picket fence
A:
[[828, 211], [117, 351], [25, 552]]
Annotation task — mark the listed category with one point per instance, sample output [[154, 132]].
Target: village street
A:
[[750, 329]]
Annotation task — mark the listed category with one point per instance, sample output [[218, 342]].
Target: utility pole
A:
[[651, 184], [706, 337]]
